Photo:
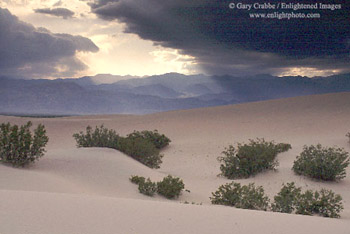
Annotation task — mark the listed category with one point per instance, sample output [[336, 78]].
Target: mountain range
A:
[[110, 94]]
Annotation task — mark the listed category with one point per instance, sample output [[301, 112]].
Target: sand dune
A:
[[56, 213], [85, 191]]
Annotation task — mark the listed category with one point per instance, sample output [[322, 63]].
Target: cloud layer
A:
[[228, 41], [60, 12], [37, 52]]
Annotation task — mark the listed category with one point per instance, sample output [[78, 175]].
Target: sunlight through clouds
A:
[[144, 37], [175, 61], [120, 53], [309, 71]]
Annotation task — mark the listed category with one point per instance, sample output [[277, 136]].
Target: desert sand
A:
[[87, 190]]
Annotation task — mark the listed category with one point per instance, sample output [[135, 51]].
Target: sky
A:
[[74, 38]]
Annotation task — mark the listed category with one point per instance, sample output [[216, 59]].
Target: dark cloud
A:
[[225, 40], [59, 12], [29, 51]]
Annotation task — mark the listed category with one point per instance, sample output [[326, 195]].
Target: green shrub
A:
[[100, 137], [348, 135], [250, 159], [245, 197], [143, 146], [159, 140], [283, 147], [148, 187], [137, 179], [19, 147], [322, 163], [328, 203], [324, 203], [170, 187], [304, 204], [285, 201], [142, 150]]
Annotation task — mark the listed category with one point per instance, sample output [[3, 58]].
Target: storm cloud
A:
[[228, 41], [37, 52], [60, 12]]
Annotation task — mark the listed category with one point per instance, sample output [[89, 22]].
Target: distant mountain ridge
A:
[[109, 94]]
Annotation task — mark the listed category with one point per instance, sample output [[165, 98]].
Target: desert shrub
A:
[[348, 135], [142, 150], [100, 137], [159, 140], [245, 197], [143, 146], [328, 204], [170, 187], [148, 187], [325, 203], [250, 159], [137, 179], [19, 147], [285, 201], [304, 204], [322, 163], [282, 147]]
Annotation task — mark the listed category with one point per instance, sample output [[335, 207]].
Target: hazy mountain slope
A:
[[56, 97], [89, 95]]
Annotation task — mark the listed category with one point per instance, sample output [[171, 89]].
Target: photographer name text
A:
[[284, 6]]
